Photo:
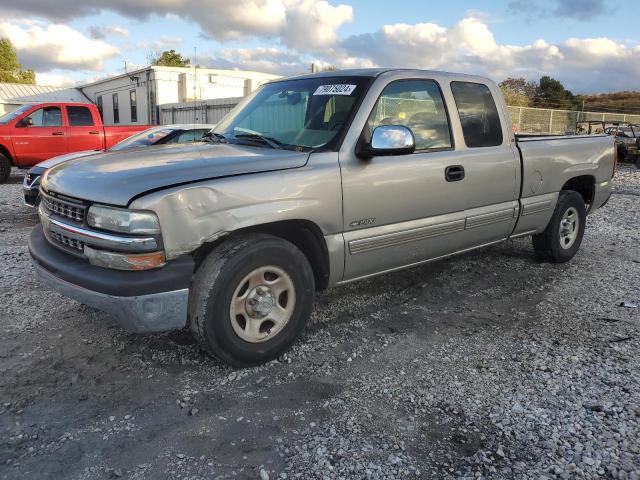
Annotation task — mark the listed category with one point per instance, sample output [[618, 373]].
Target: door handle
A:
[[93, 132], [57, 133], [454, 173]]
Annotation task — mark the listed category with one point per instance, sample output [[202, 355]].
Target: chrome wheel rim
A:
[[569, 227], [262, 304]]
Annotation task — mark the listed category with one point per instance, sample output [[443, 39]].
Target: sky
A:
[[592, 46]]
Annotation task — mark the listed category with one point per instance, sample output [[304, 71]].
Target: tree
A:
[[518, 92], [10, 68], [552, 94], [169, 58]]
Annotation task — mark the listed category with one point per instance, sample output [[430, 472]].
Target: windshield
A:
[[151, 136], [8, 117], [300, 114]]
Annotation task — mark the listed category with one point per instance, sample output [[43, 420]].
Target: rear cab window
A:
[[478, 114], [79, 116]]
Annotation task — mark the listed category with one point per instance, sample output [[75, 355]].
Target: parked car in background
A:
[[627, 137], [38, 131], [161, 135], [310, 182]]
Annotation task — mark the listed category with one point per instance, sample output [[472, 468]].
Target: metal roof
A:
[[22, 93]]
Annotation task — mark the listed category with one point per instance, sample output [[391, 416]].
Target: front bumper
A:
[[145, 301]]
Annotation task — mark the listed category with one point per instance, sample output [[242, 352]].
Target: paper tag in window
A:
[[337, 89]]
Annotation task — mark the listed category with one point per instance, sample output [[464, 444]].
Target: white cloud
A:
[[581, 10], [101, 32], [296, 33], [162, 43], [46, 46], [55, 80], [306, 24], [313, 25], [277, 61], [268, 60], [469, 46]]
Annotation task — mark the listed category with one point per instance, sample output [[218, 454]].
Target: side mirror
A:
[[388, 140], [25, 122]]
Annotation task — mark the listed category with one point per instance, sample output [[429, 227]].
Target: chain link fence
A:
[[550, 121]]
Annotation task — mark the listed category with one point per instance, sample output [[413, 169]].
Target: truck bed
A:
[[548, 161]]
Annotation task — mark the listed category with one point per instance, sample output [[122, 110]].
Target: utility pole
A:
[[195, 83]]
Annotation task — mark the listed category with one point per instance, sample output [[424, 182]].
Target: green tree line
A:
[[550, 93], [10, 68]]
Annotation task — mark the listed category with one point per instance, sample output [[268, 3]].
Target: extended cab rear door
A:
[[39, 135], [85, 128], [490, 162]]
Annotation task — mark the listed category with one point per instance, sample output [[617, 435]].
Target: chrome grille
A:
[[67, 242], [64, 208]]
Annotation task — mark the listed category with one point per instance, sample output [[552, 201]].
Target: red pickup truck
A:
[[39, 131]]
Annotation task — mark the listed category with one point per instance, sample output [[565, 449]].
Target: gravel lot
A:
[[486, 365]]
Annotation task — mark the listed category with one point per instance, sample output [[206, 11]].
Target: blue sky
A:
[[591, 45]]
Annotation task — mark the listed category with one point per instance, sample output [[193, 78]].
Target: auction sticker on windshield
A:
[[337, 89]]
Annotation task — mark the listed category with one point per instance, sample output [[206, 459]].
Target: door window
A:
[[80, 117], [46, 117], [478, 114], [418, 105]]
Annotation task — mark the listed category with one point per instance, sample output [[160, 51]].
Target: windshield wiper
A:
[[214, 137], [272, 142]]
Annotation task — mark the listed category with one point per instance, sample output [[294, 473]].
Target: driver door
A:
[[42, 138], [401, 210]]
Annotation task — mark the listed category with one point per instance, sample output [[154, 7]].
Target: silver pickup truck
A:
[[310, 182]]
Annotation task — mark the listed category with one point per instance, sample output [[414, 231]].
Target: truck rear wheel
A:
[[5, 168], [250, 299], [562, 238]]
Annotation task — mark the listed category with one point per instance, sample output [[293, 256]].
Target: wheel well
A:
[[585, 185], [304, 234], [4, 151]]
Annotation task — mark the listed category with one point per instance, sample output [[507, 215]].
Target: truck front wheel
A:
[[5, 168], [250, 299], [562, 238]]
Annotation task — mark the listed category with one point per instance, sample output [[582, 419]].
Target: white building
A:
[[13, 95], [135, 97]]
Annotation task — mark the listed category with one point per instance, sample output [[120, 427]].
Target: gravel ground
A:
[[488, 365]]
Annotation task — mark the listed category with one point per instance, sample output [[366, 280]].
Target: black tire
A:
[[548, 245], [5, 168], [217, 280]]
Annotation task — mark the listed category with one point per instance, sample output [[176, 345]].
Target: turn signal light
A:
[[125, 261]]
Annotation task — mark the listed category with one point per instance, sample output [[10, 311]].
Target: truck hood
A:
[[115, 178], [52, 162]]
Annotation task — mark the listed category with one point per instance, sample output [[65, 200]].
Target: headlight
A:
[[122, 220]]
